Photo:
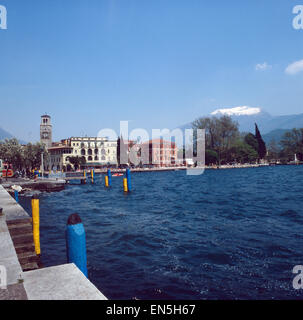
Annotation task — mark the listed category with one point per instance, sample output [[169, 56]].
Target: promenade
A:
[[62, 282]]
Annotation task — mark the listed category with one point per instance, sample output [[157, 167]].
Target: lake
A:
[[226, 234]]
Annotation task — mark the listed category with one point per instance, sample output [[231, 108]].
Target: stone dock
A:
[[26, 279]]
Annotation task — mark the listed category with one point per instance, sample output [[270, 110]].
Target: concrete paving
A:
[[64, 282], [11, 209]]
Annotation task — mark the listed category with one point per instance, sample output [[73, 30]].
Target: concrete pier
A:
[[63, 282]]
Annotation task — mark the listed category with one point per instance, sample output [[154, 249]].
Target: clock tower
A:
[[46, 131]]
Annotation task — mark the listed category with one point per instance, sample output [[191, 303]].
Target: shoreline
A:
[[55, 184]]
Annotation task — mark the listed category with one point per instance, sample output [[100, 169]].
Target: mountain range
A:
[[6, 135], [271, 127]]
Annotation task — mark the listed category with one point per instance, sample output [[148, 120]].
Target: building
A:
[[46, 131], [161, 153], [97, 152]]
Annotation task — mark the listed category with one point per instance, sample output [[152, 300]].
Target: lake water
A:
[[227, 234]]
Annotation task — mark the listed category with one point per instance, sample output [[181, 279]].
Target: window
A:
[[83, 152], [90, 158]]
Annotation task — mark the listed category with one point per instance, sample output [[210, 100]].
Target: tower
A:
[[46, 131]]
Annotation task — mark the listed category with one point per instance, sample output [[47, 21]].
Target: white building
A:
[[97, 151]]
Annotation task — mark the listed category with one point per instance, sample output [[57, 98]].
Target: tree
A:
[[11, 152], [251, 140], [242, 152], [220, 133], [32, 155], [292, 143], [261, 143], [77, 161], [273, 150], [211, 157]]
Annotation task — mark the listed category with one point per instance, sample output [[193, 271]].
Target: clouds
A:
[[294, 67], [291, 69], [263, 66]]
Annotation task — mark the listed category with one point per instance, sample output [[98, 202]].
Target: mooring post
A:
[[109, 177], [36, 223], [76, 242], [16, 196], [129, 184], [125, 185], [92, 175]]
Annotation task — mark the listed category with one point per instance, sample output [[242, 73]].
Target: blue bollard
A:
[[76, 242], [109, 177], [129, 183], [16, 196]]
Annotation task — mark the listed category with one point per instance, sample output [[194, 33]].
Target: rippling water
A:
[[227, 234]]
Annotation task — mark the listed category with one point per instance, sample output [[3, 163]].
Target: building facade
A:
[[97, 152]]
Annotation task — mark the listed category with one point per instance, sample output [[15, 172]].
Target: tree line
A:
[[224, 144], [22, 157]]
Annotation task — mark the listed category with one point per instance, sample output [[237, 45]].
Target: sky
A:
[[158, 64]]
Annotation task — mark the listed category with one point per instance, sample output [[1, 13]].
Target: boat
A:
[[117, 174]]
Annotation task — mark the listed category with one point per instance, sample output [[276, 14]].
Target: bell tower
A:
[[46, 131]]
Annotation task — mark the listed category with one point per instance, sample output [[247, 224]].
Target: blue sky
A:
[[159, 64]]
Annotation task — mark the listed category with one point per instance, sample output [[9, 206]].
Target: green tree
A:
[[251, 140], [220, 134], [32, 155], [261, 143], [242, 152], [77, 161], [11, 152], [211, 157]]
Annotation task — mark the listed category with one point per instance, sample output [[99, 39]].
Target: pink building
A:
[[161, 153]]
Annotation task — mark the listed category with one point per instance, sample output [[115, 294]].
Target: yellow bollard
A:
[[106, 181], [84, 173], [92, 175], [125, 185], [36, 224]]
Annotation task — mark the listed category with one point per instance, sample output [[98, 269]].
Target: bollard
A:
[[92, 175], [129, 185], [36, 223], [16, 196], [109, 178], [84, 173], [125, 185], [76, 242], [106, 181]]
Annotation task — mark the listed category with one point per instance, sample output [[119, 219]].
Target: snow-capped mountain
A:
[[237, 111], [247, 117]]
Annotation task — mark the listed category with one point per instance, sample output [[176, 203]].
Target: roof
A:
[[45, 116]]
